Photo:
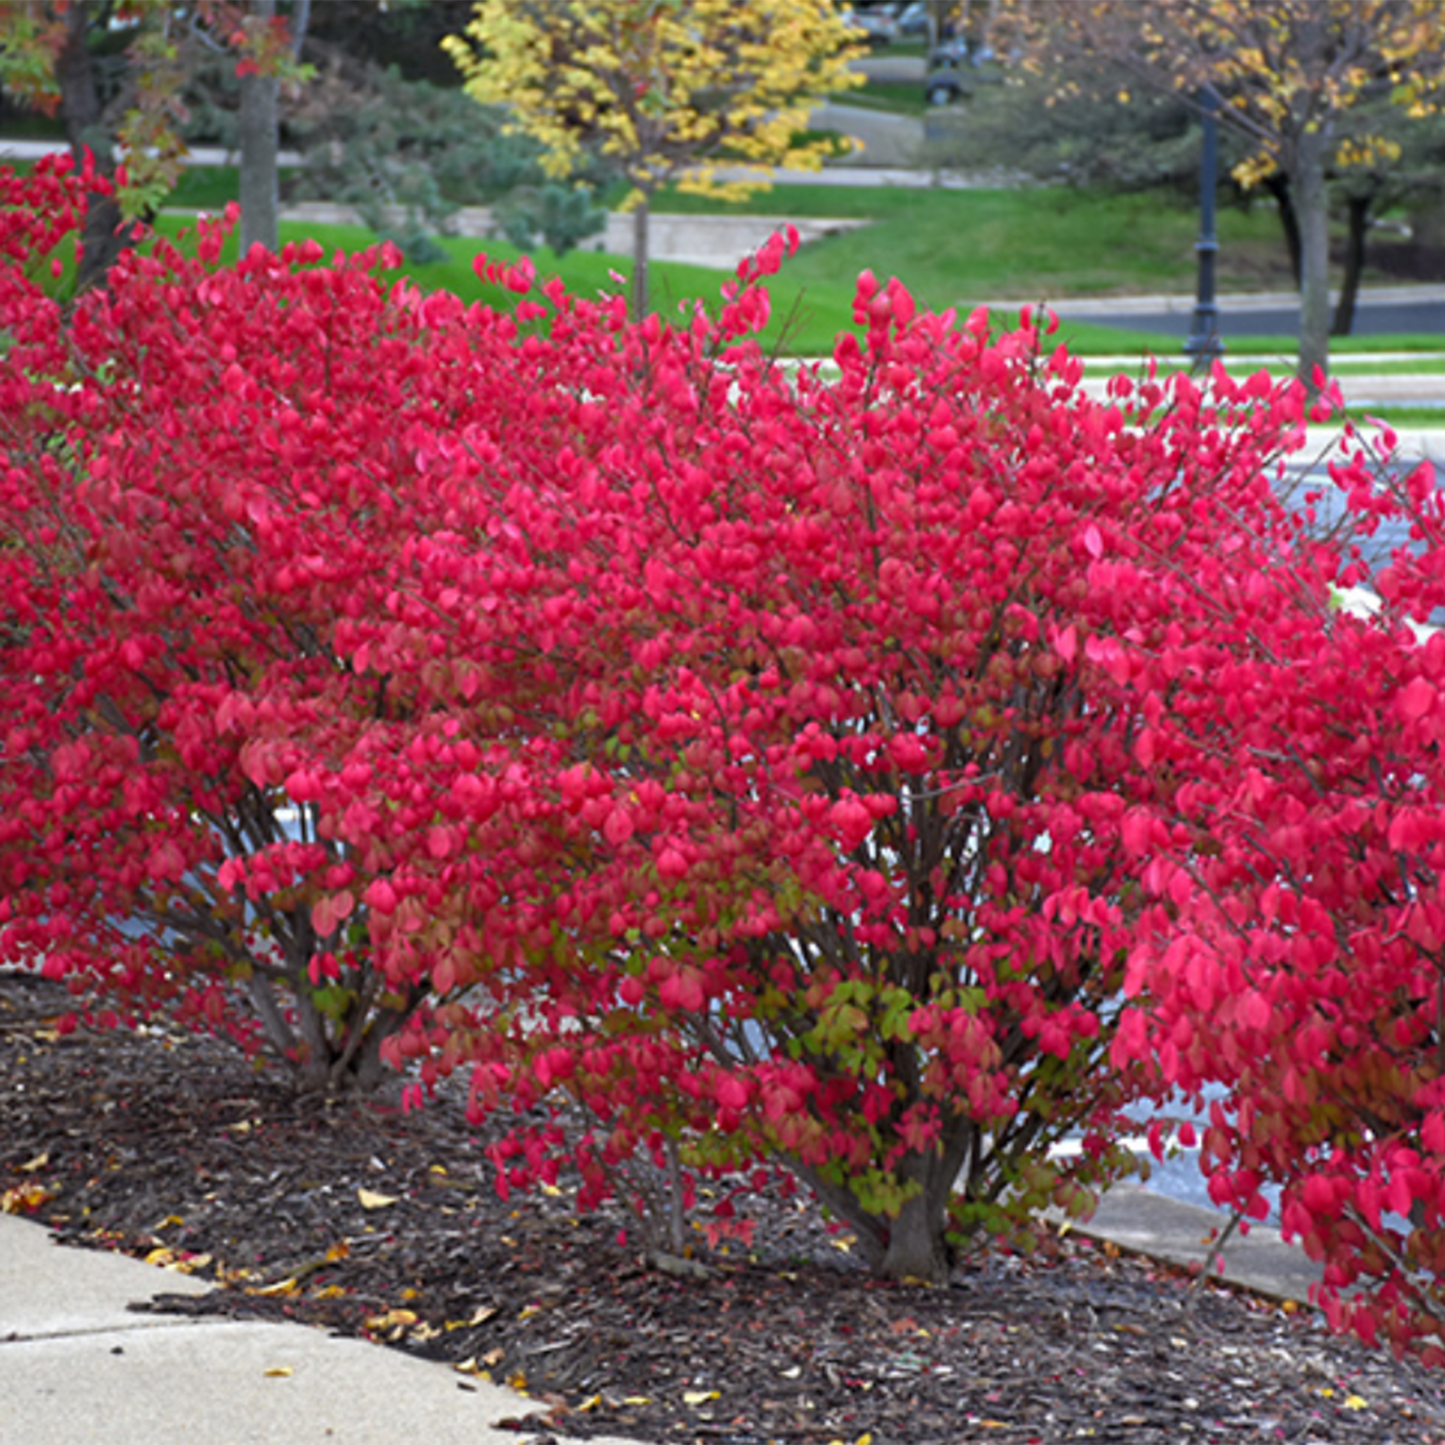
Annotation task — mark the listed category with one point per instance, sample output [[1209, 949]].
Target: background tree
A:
[[1095, 130], [1290, 72], [1091, 126], [670, 91], [1399, 163], [407, 35], [407, 154], [49, 59]]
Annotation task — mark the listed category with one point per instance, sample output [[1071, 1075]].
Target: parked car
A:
[[948, 54], [945, 85], [876, 25], [913, 19]]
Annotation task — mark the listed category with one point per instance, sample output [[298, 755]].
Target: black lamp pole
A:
[[1204, 343]]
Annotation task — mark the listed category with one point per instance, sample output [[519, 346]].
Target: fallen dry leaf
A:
[[369, 1199], [24, 1198], [281, 1287]]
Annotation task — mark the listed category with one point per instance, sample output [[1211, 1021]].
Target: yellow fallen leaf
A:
[[1355, 1402], [436, 1169], [329, 1291], [162, 1256], [637, 1399], [518, 1382], [698, 1397], [591, 1403], [38, 1162], [281, 1287], [369, 1199], [390, 1319], [279, 1372], [527, 1311], [479, 1317], [551, 1191], [337, 1252], [845, 1243], [24, 1198], [494, 1357]]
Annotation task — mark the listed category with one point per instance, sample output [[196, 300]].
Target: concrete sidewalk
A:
[[78, 1368]]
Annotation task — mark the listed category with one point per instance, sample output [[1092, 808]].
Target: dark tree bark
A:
[[1277, 185], [1359, 219], [1312, 205], [259, 125], [106, 232], [639, 261]]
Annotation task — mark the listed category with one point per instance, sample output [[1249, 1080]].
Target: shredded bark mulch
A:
[[363, 1220]]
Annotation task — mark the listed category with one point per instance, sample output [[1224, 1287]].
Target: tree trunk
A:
[[106, 233], [1359, 213], [300, 22], [916, 1248], [1277, 184], [260, 192], [639, 261], [1312, 205]]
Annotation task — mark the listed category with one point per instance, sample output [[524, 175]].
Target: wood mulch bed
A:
[[365, 1221]]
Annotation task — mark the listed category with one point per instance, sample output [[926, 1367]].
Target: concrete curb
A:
[[1137, 1219]]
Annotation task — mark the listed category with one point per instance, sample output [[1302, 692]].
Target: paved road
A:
[[1413, 309]]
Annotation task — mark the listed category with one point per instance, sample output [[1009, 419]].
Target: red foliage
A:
[[795, 764], [1292, 946]]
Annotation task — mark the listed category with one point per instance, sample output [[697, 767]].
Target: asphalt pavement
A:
[[1380, 311]]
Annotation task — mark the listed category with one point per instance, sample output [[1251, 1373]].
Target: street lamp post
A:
[[1204, 343]]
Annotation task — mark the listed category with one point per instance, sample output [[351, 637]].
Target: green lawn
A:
[[808, 311], [956, 247], [898, 97]]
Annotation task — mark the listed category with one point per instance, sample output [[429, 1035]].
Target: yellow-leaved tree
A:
[[1292, 77], [674, 91]]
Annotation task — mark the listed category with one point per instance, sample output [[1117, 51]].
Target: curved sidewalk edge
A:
[[1143, 1222], [78, 1368]]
